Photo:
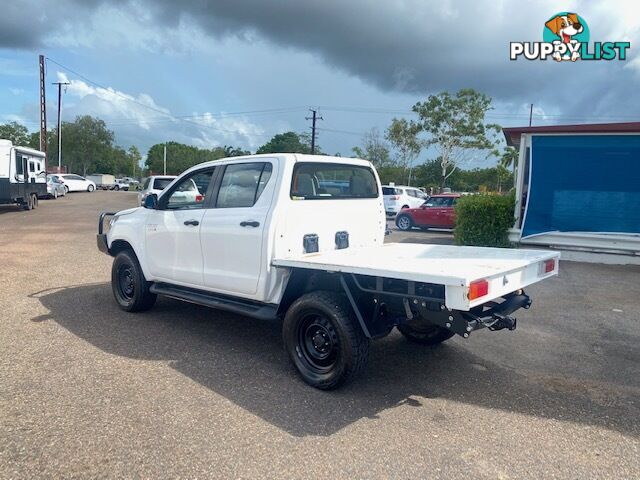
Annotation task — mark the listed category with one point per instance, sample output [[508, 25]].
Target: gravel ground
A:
[[182, 391]]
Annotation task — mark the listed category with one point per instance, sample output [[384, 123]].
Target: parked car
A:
[[437, 212], [120, 184], [398, 197], [76, 183], [154, 184], [267, 242], [55, 188]]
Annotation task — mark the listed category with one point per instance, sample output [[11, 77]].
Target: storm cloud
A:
[[416, 47]]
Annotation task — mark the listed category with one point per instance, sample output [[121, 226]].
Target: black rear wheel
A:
[[323, 340], [130, 288], [425, 334]]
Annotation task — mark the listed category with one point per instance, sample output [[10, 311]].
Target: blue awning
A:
[[583, 183]]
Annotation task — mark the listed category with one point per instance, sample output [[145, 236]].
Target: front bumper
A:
[[103, 246], [101, 237]]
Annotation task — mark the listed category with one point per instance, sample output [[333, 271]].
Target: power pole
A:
[[59, 124], [313, 119], [530, 113], [165, 158], [43, 110]]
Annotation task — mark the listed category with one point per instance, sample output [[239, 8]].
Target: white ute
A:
[[301, 238]]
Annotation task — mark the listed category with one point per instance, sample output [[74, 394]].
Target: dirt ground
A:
[[87, 390]]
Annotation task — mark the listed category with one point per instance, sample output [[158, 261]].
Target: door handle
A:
[[192, 223], [249, 223]]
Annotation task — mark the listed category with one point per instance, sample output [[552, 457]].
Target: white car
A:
[[300, 238], [76, 183], [398, 197], [154, 184]]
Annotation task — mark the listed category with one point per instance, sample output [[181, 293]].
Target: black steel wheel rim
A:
[[126, 283], [318, 343]]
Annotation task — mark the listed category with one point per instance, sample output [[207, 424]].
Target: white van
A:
[[23, 176]]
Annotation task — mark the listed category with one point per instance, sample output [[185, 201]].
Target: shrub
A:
[[484, 220]]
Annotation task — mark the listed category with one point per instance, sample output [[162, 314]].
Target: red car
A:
[[437, 212]]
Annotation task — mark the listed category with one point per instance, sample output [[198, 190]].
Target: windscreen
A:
[[322, 181]]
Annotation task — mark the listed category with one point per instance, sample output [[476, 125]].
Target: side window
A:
[[190, 192], [32, 166], [435, 202], [19, 165], [242, 184]]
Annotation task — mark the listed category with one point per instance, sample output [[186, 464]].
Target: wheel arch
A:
[[361, 304]]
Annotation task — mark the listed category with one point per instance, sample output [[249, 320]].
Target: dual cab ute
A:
[[301, 238]]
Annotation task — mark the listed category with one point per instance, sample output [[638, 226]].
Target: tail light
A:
[[547, 266], [477, 289], [199, 198]]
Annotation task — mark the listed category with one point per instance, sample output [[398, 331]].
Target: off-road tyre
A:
[[427, 334], [130, 288], [324, 340]]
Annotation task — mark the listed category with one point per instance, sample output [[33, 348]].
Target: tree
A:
[[87, 145], [134, 157], [454, 125], [17, 133], [288, 142], [374, 149], [508, 157], [403, 136]]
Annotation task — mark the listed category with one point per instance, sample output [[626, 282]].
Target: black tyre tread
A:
[[413, 336], [344, 314], [144, 298]]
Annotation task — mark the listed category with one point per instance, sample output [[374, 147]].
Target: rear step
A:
[[248, 308]]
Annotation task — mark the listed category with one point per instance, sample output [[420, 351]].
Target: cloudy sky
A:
[[238, 71]]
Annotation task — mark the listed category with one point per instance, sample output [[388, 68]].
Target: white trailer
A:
[[103, 181], [23, 176], [301, 238]]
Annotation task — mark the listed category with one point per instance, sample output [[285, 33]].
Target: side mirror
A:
[[151, 201]]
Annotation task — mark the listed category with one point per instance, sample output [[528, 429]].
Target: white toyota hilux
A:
[[301, 238]]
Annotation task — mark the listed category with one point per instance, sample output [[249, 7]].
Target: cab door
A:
[[172, 232], [429, 213], [233, 230]]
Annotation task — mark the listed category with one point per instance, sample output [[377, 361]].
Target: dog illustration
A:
[[565, 27]]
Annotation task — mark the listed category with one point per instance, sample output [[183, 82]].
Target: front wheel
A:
[[323, 340], [427, 334], [130, 288], [404, 222], [90, 188]]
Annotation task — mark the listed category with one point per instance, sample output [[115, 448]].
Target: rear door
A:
[[172, 232], [232, 232]]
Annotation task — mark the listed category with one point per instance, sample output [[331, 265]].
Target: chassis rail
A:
[[378, 309]]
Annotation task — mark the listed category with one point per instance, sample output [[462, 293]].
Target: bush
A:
[[484, 220]]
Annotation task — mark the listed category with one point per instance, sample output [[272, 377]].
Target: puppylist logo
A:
[[566, 38]]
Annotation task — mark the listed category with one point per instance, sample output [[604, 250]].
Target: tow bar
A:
[[498, 315]]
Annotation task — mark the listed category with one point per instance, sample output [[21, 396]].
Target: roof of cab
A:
[[288, 157]]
